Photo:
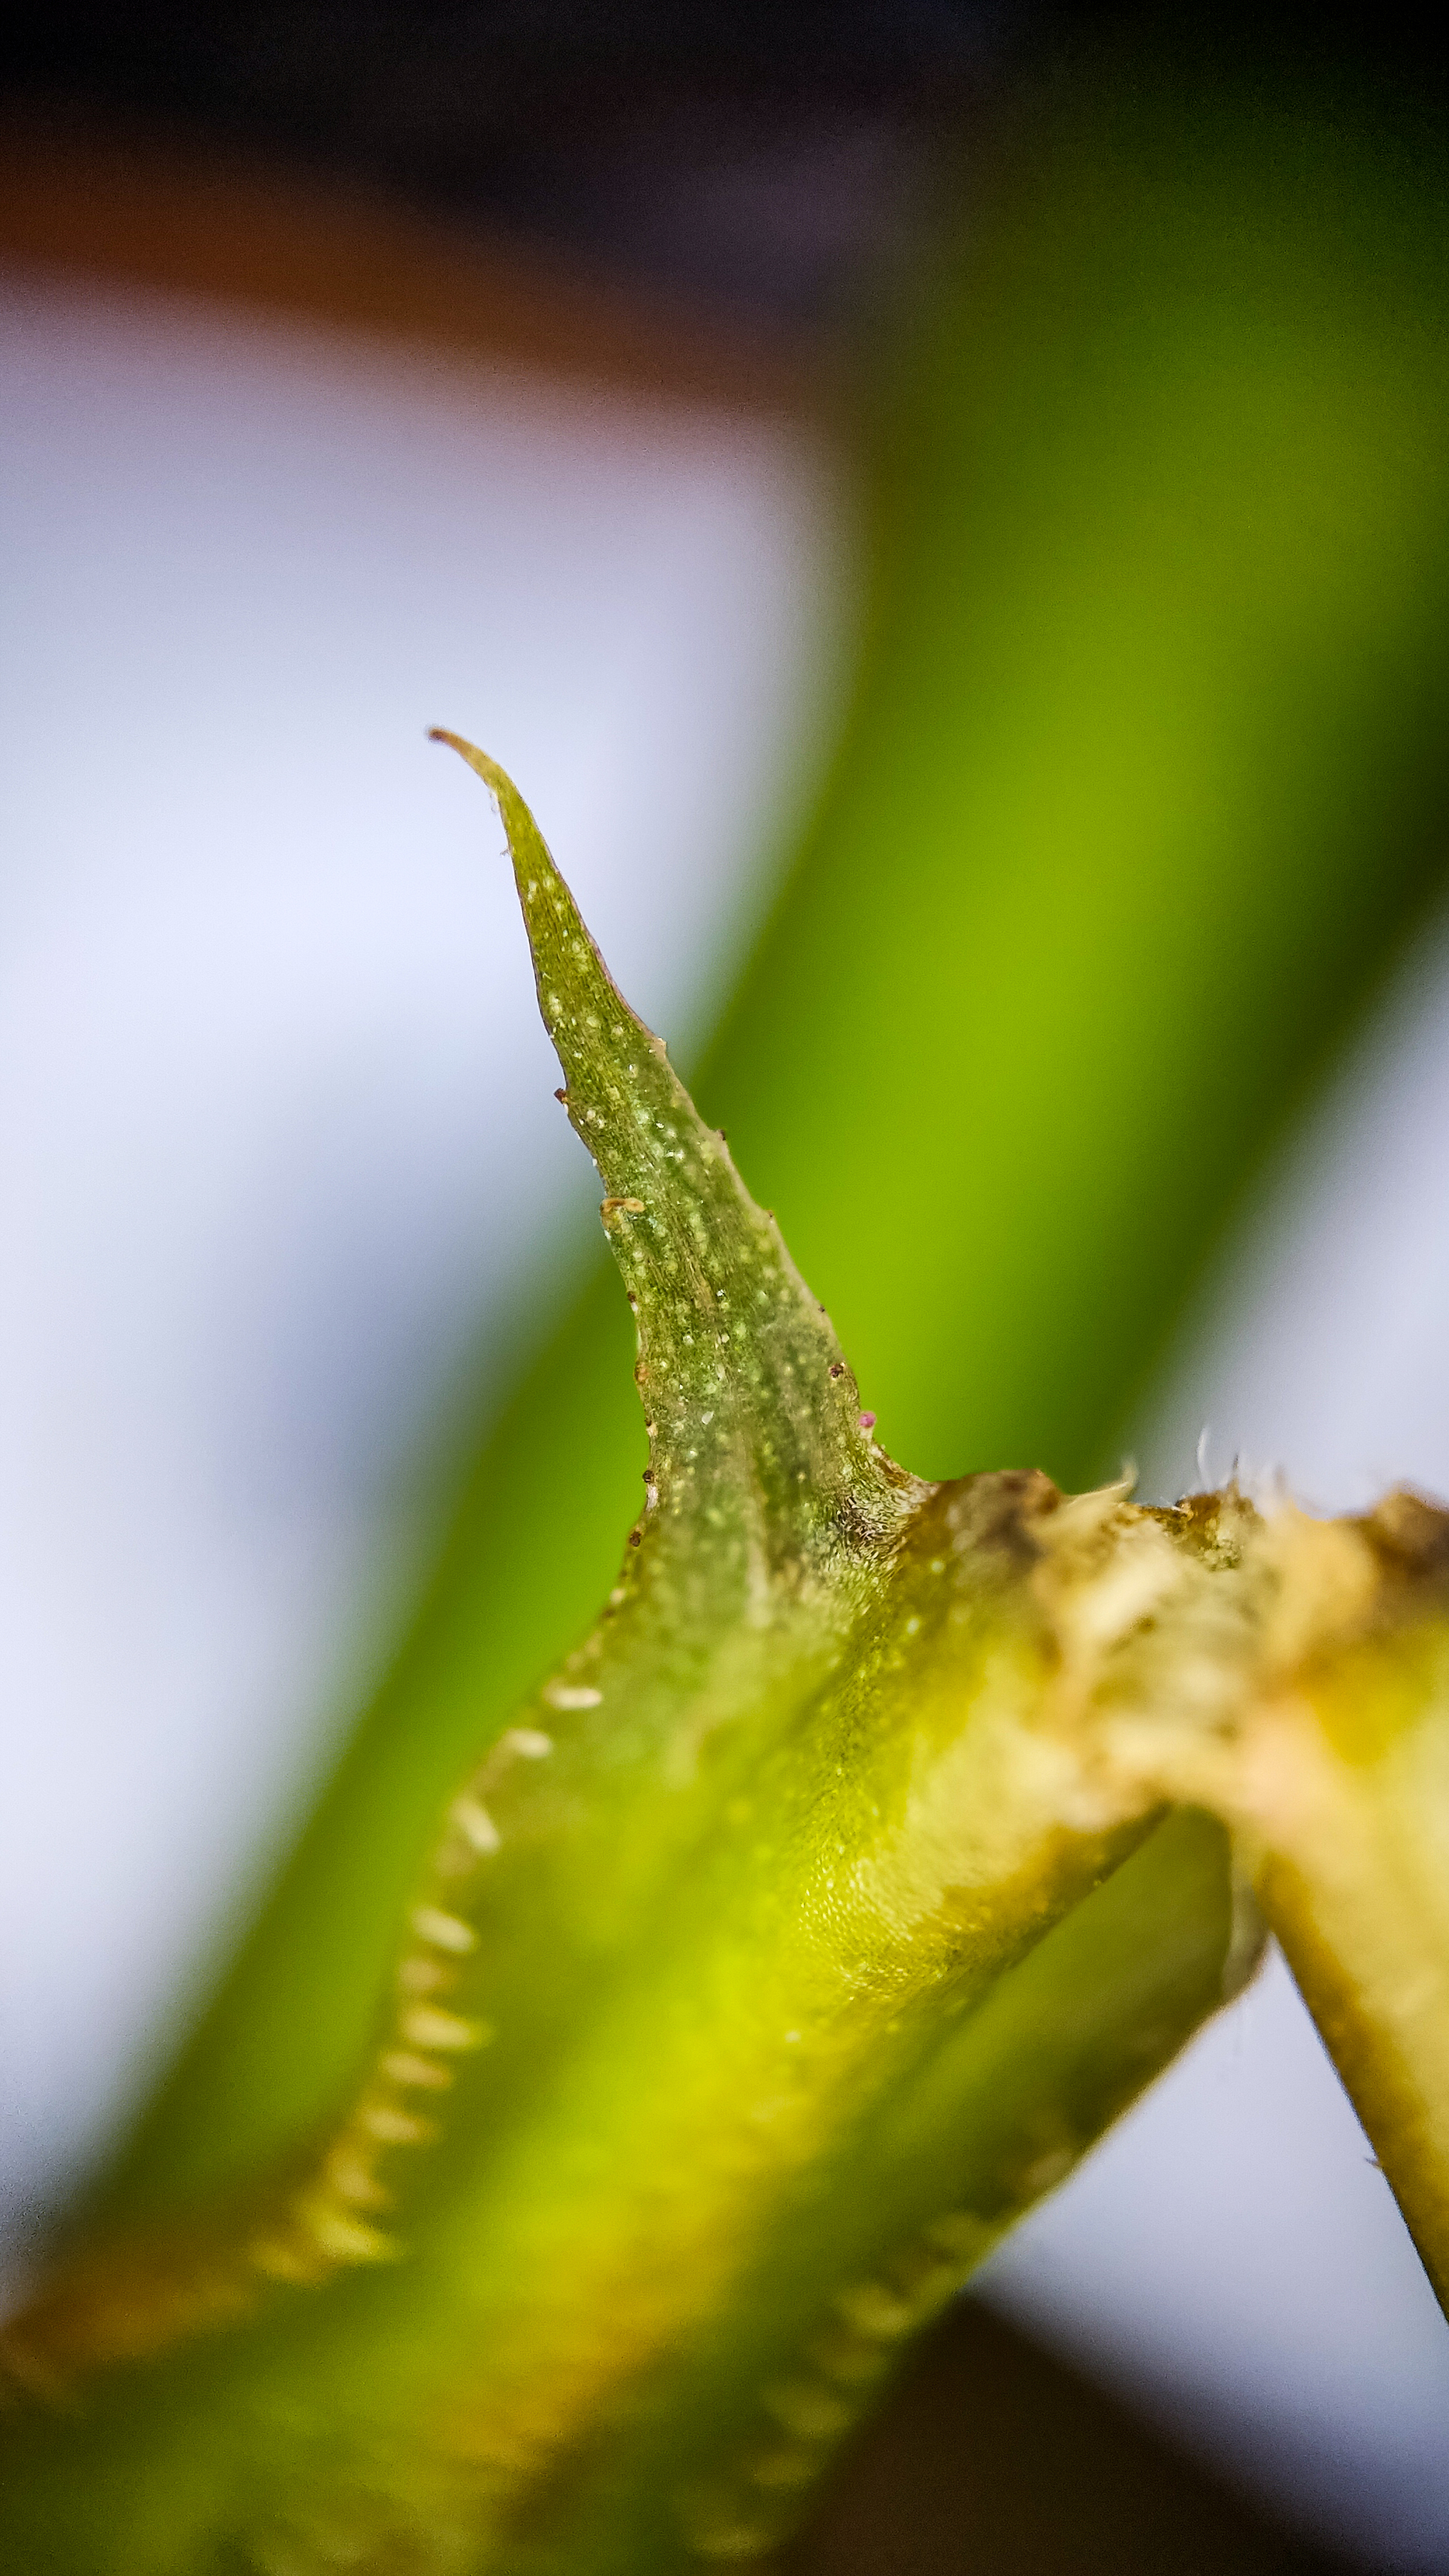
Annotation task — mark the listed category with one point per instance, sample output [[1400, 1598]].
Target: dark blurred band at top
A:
[[770, 161]]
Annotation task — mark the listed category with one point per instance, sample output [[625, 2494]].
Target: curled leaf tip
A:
[[486, 768]]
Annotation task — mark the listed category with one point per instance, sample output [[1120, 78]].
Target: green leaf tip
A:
[[743, 1381]]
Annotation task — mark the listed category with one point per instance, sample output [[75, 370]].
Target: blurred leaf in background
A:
[[1140, 789]]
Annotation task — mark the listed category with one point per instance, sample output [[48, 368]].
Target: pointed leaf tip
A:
[[518, 823], [738, 1366]]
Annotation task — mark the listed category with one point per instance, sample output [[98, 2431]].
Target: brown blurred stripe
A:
[[127, 209]]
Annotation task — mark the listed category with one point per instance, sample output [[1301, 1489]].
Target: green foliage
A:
[[808, 1923], [1138, 792], [818, 1911]]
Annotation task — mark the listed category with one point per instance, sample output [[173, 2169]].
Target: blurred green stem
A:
[[1144, 777]]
